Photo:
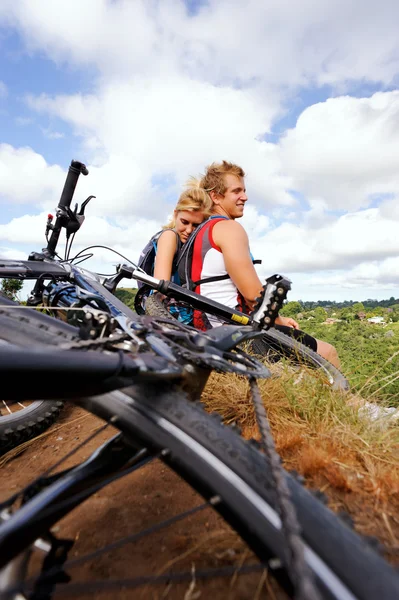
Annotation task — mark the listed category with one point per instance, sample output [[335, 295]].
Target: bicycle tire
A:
[[154, 307], [153, 415], [21, 326], [276, 342], [215, 460], [271, 343]]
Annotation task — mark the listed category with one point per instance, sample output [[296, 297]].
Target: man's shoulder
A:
[[228, 229], [228, 224]]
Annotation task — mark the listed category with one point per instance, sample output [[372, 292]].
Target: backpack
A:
[[185, 258], [147, 255]]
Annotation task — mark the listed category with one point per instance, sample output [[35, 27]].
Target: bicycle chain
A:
[[237, 362], [94, 343], [227, 362], [221, 364], [301, 574]]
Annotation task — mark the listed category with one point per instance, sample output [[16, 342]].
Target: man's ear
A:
[[215, 197]]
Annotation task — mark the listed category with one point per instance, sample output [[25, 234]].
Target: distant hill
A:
[[369, 303]]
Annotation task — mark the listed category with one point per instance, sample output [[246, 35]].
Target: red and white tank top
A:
[[208, 261]]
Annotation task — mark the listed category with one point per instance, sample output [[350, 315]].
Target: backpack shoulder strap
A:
[[185, 255]]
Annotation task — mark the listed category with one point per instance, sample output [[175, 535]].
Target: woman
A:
[[193, 207]]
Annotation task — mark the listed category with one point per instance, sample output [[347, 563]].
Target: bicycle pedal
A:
[[269, 303]]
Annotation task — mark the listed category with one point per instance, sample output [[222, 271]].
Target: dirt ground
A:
[[148, 496], [129, 505]]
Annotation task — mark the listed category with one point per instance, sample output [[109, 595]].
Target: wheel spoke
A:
[[6, 405], [75, 589]]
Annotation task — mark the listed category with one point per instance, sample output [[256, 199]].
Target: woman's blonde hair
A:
[[194, 198]]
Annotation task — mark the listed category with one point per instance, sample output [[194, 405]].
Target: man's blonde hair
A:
[[194, 198], [214, 177]]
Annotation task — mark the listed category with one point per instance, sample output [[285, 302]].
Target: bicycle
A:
[[273, 344], [162, 367]]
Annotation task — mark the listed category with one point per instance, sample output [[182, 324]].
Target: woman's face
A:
[[186, 221]]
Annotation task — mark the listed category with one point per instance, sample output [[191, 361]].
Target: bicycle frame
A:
[[111, 460]]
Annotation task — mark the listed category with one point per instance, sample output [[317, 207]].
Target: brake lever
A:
[[268, 305], [84, 204], [75, 220]]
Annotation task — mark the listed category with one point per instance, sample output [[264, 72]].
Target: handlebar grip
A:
[[75, 169]]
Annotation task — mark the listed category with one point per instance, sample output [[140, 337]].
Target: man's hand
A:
[[287, 322]]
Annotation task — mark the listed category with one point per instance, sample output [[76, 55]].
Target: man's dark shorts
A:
[[300, 336]]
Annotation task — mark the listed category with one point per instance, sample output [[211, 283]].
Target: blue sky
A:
[[24, 73], [304, 97]]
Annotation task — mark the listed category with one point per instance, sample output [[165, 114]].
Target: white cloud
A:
[[170, 126], [280, 42], [11, 254], [345, 150], [350, 240], [374, 279], [174, 92], [26, 178], [128, 238]]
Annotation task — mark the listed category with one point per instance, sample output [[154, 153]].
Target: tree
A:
[[291, 309], [320, 314], [347, 314], [358, 307], [127, 296], [11, 287]]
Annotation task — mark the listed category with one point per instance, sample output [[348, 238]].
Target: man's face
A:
[[233, 201]]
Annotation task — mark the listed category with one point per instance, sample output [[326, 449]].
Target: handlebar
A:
[[76, 168], [263, 316]]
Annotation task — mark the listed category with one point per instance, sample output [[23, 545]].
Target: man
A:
[[222, 248]]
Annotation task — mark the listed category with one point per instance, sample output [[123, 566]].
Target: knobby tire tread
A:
[[155, 307]]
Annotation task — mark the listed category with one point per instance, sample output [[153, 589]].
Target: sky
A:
[[303, 95]]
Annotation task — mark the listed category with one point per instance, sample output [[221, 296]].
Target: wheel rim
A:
[[11, 412]]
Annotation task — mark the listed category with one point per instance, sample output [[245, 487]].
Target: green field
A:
[[369, 355]]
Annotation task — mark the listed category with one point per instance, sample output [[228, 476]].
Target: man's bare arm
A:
[[232, 239]]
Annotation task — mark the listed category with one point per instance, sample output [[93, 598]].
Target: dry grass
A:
[[317, 431]]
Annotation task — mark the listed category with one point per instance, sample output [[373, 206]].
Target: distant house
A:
[[361, 315], [331, 321], [376, 320]]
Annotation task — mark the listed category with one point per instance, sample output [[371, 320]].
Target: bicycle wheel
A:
[[22, 326], [274, 345], [235, 477]]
